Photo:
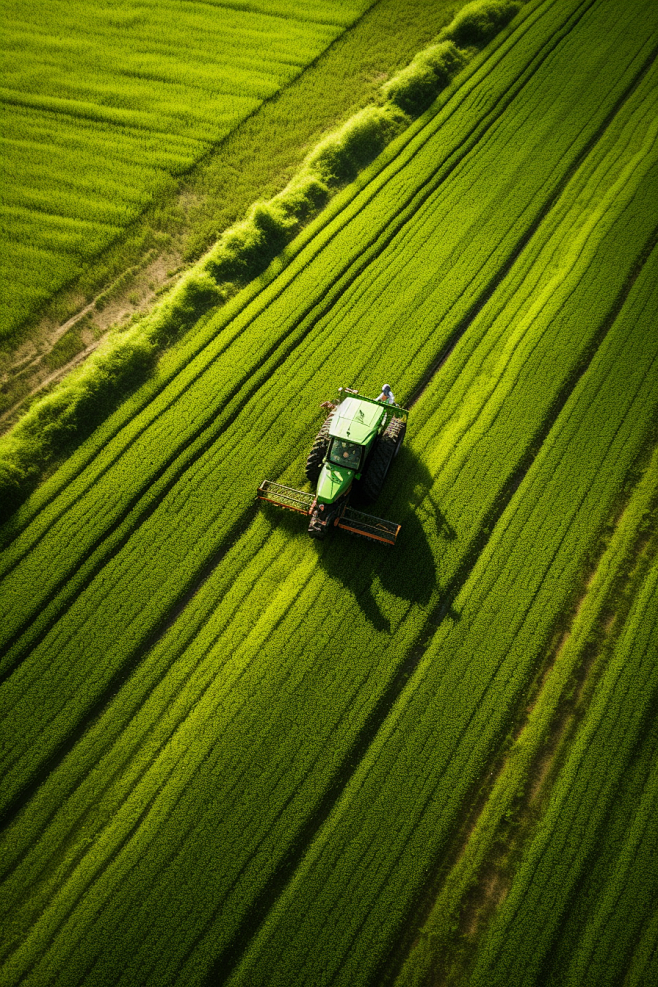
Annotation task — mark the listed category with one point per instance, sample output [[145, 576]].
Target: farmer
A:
[[386, 397]]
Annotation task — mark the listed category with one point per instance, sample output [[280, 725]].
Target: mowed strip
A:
[[105, 105], [339, 646], [568, 836], [582, 653]]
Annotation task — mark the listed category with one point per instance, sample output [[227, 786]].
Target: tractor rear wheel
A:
[[386, 449], [396, 430], [318, 451]]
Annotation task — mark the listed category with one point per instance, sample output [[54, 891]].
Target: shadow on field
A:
[[407, 571]]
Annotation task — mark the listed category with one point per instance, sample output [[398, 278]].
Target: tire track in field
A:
[[144, 503]]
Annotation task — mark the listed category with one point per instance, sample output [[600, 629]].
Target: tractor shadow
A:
[[409, 570]]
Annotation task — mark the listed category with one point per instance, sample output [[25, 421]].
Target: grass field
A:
[[232, 755], [106, 105]]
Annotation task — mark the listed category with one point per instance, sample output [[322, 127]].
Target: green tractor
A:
[[350, 457]]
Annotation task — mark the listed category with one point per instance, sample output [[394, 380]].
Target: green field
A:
[[105, 105], [231, 755]]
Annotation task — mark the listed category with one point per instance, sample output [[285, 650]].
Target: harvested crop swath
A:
[[581, 653], [105, 104], [572, 828], [220, 684]]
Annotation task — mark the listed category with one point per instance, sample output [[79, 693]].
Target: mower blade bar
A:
[[367, 526], [288, 497]]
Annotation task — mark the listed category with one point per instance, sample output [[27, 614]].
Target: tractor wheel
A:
[[318, 452], [396, 429], [385, 451], [372, 480]]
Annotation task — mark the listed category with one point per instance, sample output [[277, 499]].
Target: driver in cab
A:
[[386, 397]]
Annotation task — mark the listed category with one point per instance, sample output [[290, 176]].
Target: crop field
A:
[[233, 755], [106, 104]]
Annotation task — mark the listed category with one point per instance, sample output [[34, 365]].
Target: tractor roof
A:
[[356, 420]]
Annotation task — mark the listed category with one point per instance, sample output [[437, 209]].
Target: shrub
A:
[[478, 22], [196, 292], [417, 86], [341, 155], [72, 411]]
